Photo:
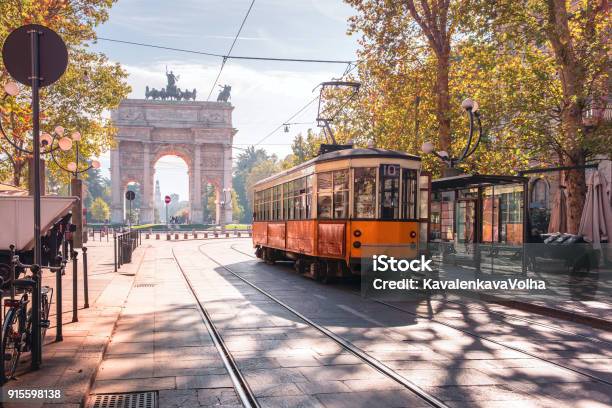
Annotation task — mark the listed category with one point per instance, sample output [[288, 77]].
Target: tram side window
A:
[[299, 191], [267, 202], [341, 182], [365, 192], [409, 192], [308, 197], [285, 201], [276, 202], [324, 195], [257, 206], [389, 191]]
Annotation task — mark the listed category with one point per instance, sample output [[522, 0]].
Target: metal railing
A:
[[124, 245]]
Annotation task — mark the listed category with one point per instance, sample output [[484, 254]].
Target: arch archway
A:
[[200, 133], [172, 178]]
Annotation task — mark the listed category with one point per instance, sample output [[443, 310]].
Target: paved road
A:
[[161, 344]]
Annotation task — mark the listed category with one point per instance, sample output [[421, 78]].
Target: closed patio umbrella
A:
[[596, 220], [558, 215]]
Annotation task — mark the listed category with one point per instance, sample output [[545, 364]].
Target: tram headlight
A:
[[413, 234], [356, 244], [357, 233]]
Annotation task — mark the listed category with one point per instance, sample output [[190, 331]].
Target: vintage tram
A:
[[329, 213]]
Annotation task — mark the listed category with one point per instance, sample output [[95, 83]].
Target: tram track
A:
[[485, 338], [345, 344], [499, 314], [241, 386]]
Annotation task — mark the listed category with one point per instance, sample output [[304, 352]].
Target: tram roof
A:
[[474, 180], [344, 154]]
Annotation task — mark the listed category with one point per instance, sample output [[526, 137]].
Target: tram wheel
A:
[[324, 275]]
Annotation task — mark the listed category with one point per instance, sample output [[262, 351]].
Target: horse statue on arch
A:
[[224, 95]]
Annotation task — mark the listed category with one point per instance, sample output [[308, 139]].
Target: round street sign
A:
[[130, 195], [167, 199], [17, 55]]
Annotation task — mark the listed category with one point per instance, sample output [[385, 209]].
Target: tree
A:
[[394, 28], [575, 37], [90, 86], [303, 149], [259, 172], [99, 210], [96, 186], [244, 164], [237, 210]]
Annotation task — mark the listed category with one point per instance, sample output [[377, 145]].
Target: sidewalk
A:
[[70, 365], [160, 343]]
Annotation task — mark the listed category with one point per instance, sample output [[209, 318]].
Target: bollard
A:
[[36, 334], [85, 283], [2, 377], [147, 236], [168, 236], [195, 234], [75, 287], [156, 236], [238, 234], [227, 235], [115, 250], [206, 235], [216, 235], [58, 302], [185, 236]]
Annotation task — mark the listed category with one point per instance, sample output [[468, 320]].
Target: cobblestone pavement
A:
[[459, 368], [158, 340]]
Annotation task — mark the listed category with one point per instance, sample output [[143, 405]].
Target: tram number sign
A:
[[167, 199], [390, 170]]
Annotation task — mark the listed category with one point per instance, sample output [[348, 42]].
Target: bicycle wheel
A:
[[45, 308], [11, 341]]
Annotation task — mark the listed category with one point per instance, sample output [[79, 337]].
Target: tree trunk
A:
[[574, 179], [443, 103]]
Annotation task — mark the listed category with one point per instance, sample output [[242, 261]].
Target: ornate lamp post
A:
[[49, 142], [471, 107], [74, 168]]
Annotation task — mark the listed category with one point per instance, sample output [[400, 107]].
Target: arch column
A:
[[196, 213], [117, 191], [146, 203], [226, 193]]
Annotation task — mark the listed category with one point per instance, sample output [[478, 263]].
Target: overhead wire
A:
[[350, 67], [224, 56], [231, 48]]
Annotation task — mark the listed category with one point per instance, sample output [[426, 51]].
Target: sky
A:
[[264, 93]]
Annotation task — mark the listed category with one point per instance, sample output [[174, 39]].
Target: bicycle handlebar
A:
[[18, 263]]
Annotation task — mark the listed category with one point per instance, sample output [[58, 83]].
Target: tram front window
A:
[[389, 191], [365, 192]]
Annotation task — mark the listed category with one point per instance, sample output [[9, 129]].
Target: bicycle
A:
[[17, 324]]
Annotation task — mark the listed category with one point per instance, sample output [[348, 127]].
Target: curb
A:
[[591, 321]]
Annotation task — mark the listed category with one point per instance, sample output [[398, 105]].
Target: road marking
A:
[[361, 315], [319, 296]]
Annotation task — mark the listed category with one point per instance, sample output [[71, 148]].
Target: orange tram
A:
[[344, 205]]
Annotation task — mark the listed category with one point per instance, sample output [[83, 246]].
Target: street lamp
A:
[[471, 107], [50, 142], [65, 144]]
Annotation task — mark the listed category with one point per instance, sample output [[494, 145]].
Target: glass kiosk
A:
[[479, 221]]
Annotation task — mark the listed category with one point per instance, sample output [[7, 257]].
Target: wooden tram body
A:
[[328, 213]]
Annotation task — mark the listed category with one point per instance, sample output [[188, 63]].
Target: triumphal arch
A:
[[200, 133]]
